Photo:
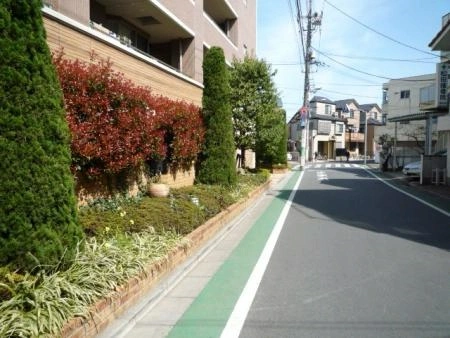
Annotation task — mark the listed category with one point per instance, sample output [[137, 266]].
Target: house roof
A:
[[342, 104], [321, 99], [369, 106], [442, 39]]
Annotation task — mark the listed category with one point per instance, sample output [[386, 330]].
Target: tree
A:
[[258, 122], [38, 218], [217, 160]]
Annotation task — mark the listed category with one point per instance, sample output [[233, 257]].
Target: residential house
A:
[[371, 117], [326, 128], [441, 42], [159, 44], [350, 110]]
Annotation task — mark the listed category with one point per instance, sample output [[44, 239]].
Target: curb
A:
[[179, 260]]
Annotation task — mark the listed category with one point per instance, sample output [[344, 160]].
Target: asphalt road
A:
[[355, 258]]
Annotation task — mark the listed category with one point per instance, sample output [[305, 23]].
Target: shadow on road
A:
[[366, 203]]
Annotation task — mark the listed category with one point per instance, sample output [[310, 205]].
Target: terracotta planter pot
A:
[[158, 190]]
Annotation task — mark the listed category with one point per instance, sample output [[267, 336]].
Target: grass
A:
[[123, 236]]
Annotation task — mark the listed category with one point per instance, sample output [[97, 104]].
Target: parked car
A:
[[414, 168]]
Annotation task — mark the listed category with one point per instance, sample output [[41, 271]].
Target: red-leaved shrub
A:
[[117, 125]]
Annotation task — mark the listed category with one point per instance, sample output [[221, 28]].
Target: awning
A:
[[416, 116], [409, 117]]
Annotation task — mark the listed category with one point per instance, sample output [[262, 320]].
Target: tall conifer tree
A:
[[217, 160], [38, 220]]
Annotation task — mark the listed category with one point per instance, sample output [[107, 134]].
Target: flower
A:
[[131, 222]]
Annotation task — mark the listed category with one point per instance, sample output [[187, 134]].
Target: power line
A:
[[366, 73], [379, 33], [349, 85], [347, 94], [352, 68], [380, 58], [299, 47]]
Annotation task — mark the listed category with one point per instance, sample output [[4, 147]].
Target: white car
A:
[[413, 168]]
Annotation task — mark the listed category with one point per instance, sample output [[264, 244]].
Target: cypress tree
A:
[[217, 160], [38, 219]]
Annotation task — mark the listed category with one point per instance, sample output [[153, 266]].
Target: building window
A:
[[339, 128], [327, 109], [385, 95], [404, 94], [324, 127]]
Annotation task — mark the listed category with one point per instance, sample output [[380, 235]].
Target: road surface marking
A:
[[240, 311], [408, 194]]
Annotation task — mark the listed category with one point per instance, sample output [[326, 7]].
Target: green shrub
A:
[[176, 213], [38, 220]]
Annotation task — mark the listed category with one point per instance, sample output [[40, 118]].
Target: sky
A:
[[341, 43]]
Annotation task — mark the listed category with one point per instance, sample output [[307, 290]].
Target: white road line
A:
[[408, 194], [321, 175], [240, 311], [328, 165]]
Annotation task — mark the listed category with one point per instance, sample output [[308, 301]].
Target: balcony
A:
[[224, 16], [143, 26], [354, 137]]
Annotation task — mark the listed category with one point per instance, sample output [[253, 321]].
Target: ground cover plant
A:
[[122, 237]]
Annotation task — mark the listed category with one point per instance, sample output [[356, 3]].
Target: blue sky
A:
[[411, 22]]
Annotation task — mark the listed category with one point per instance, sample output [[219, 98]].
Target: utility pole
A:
[[313, 20]]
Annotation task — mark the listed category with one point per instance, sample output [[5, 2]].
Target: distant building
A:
[[335, 125], [326, 128], [403, 127], [375, 118]]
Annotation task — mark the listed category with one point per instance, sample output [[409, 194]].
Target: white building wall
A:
[[394, 105]]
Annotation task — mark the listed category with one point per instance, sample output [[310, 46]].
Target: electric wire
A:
[[299, 47], [364, 72], [379, 33], [380, 58], [347, 94]]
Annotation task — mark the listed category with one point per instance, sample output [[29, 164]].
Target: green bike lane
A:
[[209, 313]]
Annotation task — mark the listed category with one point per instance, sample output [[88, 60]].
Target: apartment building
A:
[[155, 43], [405, 125]]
